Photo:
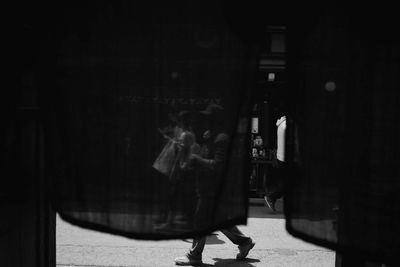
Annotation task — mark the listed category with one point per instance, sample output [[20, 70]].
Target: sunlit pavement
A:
[[274, 247]]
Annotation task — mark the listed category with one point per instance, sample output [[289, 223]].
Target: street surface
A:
[[274, 247]]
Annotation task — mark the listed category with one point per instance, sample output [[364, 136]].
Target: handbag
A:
[[166, 159]]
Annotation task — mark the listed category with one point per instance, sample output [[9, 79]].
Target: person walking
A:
[[210, 163], [277, 188]]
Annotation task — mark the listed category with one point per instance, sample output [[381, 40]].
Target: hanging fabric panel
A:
[[343, 176], [148, 117]]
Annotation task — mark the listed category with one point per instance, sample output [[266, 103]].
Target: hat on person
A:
[[212, 109]]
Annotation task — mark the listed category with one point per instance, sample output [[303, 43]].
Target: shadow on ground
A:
[[235, 263]]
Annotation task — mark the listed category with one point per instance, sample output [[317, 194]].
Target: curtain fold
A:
[[343, 178], [138, 90]]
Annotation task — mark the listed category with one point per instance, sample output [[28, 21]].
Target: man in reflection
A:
[[210, 165]]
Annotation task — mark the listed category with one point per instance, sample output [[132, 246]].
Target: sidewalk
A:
[[274, 247]]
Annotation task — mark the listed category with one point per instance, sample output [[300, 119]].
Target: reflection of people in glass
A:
[[174, 163], [210, 164], [185, 146]]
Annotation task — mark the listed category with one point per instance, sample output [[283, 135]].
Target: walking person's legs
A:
[[194, 256], [166, 220], [275, 188], [236, 236], [245, 243]]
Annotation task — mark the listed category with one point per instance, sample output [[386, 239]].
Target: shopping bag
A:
[[166, 159]]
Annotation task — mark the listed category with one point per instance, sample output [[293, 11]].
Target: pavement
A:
[[274, 247]]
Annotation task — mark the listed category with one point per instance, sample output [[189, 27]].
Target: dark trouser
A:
[[180, 199], [275, 187], [233, 233], [204, 217], [185, 202]]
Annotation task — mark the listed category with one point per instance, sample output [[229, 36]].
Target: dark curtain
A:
[[27, 225], [125, 81], [343, 179]]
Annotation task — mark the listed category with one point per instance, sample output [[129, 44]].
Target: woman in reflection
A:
[[175, 164]]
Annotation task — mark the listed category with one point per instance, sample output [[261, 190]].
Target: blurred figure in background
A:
[[275, 187]]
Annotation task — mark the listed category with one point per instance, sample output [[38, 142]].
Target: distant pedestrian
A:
[[275, 189]]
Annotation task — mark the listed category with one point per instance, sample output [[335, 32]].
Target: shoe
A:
[[188, 260], [270, 203], [244, 250]]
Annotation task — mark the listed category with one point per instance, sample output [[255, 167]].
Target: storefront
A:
[[267, 109]]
